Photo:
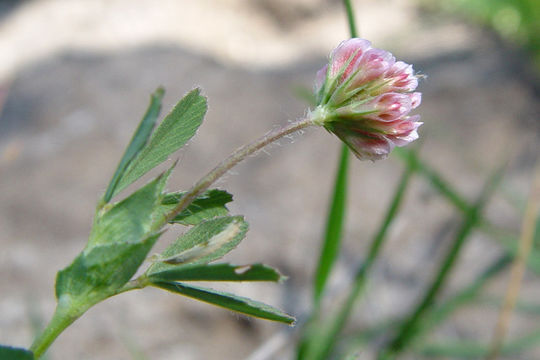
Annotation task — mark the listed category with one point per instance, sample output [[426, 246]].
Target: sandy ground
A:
[[77, 75]]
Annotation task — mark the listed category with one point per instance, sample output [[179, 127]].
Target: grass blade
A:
[[328, 334], [334, 227], [438, 182], [409, 328], [474, 350]]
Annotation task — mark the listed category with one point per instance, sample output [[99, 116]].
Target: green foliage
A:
[[218, 272], [205, 242], [131, 219], [187, 260], [120, 240], [515, 20], [139, 140], [474, 350], [228, 301], [11, 353], [173, 133], [334, 226], [98, 273], [323, 333], [210, 204], [409, 329]]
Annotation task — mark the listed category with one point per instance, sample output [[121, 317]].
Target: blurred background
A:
[[75, 78]]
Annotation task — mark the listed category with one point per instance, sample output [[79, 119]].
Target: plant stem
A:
[[63, 317], [237, 156], [350, 18]]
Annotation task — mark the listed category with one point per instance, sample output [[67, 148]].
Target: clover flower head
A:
[[364, 96]]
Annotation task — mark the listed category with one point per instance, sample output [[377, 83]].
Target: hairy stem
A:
[[237, 156]]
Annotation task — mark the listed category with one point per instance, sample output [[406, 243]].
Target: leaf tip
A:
[[158, 94]]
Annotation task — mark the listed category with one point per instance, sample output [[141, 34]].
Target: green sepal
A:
[[218, 272], [229, 301]]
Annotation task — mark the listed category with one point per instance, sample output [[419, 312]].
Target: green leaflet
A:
[[218, 272], [11, 353], [122, 236], [228, 301], [173, 133], [96, 274], [131, 219], [205, 242], [137, 143], [210, 204]]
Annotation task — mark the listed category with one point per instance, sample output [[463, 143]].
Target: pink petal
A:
[[366, 146], [321, 78], [416, 99], [343, 53]]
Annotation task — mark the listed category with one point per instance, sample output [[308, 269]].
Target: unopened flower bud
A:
[[364, 97]]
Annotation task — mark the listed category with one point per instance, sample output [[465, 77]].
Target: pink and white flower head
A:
[[364, 96]]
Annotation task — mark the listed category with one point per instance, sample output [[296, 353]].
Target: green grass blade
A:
[[465, 296], [334, 227], [469, 294], [409, 328], [328, 334], [510, 242], [137, 143], [218, 272], [474, 350], [523, 307], [228, 301], [438, 182]]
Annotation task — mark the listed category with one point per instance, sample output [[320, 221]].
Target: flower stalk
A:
[[236, 157]]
